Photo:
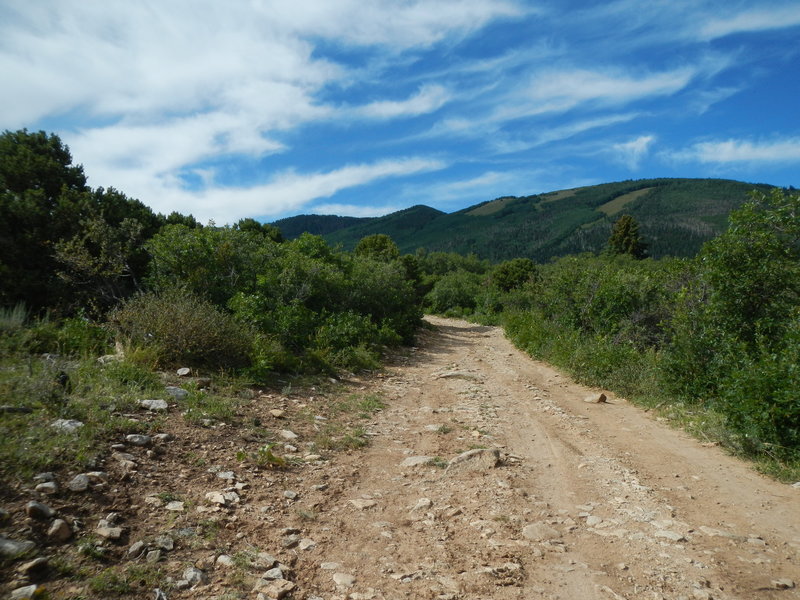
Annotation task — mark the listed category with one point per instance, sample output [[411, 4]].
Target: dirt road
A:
[[556, 498], [589, 500]]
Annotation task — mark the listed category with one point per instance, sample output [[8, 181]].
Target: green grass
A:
[[95, 395], [617, 204]]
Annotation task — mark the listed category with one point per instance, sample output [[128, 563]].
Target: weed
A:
[[438, 462], [307, 514], [263, 457], [110, 581], [444, 429]]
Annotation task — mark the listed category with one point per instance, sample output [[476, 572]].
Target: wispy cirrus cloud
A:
[[759, 18], [286, 191], [776, 151], [428, 99]]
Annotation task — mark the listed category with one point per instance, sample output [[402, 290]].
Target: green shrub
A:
[[184, 330], [458, 291]]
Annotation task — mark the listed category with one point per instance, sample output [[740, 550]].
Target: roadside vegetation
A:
[[89, 272], [712, 342]]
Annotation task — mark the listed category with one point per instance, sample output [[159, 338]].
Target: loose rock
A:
[[138, 439], [474, 460], [105, 530], [33, 567], [195, 576], [540, 532], [28, 592], [59, 531], [66, 425], [278, 589], [136, 549], [39, 511], [79, 483], [344, 579], [155, 405], [177, 392], [596, 399], [48, 487], [362, 504], [13, 548]]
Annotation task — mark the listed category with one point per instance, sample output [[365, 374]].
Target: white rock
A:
[[26, 593], [154, 405], [48, 487], [422, 504], [474, 460], [79, 483], [330, 566], [783, 584], [177, 392], [540, 532], [175, 506], [670, 535], [363, 504], [195, 576], [288, 435], [344, 579], [224, 560], [66, 425], [59, 531], [307, 544], [138, 439], [596, 399]]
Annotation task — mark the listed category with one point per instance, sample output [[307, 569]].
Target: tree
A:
[[379, 246], [626, 239], [264, 229], [43, 196], [513, 273]]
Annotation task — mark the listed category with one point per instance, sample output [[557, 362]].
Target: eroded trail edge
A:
[[587, 501]]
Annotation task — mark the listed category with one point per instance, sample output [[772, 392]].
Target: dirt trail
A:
[[589, 501]]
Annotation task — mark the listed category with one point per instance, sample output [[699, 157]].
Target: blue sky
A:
[[270, 108]]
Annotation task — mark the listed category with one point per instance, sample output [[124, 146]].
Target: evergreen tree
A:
[[626, 239]]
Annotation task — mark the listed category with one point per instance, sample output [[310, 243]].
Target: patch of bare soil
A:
[[557, 498]]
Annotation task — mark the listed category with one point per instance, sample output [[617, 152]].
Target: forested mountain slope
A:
[[676, 217]]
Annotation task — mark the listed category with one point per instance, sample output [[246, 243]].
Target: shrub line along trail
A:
[[589, 500]]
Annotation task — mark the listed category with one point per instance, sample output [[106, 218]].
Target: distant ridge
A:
[[676, 217], [293, 227]]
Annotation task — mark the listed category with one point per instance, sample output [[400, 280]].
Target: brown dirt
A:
[[621, 505]]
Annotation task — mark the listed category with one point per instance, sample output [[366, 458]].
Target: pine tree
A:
[[626, 239]]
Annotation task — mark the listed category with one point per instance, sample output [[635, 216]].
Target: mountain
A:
[[292, 227], [676, 216]]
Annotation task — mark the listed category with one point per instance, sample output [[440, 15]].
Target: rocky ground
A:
[[487, 475]]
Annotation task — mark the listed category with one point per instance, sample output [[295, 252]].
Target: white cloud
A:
[[354, 210], [779, 151], [404, 24], [559, 91], [633, 152], [288, 191], [429, 99], [759, 19]]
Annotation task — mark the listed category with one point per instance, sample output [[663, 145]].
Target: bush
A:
[[458, 290], [184, 329]]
